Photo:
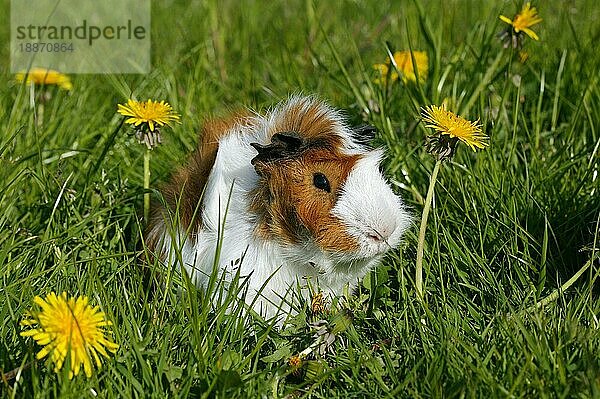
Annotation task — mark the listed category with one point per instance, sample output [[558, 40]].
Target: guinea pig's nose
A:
[[382, 233], [375, 237]]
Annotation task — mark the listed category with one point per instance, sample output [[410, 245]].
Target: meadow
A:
[[509, 226]]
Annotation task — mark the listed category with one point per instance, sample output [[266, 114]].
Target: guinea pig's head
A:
[[318, 193]]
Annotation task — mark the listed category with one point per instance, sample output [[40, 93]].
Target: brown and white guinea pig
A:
[[301, 195]]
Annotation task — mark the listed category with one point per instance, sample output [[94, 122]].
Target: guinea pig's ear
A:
[[284, 145], [364, 134]]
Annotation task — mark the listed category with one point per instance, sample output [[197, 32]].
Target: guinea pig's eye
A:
[[321, 182]]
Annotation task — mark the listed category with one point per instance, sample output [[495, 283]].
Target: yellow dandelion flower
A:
[[524, 20], [43, 76], [317, 304], [295, 361], [404, 63], [149, 112], [447, 123], [69, 327]]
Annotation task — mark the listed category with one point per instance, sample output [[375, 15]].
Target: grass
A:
[[509, 224]]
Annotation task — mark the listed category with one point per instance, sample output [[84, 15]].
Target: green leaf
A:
[[230, 359], [279, 354]]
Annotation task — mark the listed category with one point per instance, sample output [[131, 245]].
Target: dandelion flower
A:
[[317, 304], [150, 112], [524, 20], [403, 66], [147, 117], [295, 361], [46, 77], [404, 63], [69, 327], [450, 129]]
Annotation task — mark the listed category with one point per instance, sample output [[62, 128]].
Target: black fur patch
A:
[[364, 134], [284, 145]]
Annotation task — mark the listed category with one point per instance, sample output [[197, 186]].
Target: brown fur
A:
[[311, 123], [290, 208]]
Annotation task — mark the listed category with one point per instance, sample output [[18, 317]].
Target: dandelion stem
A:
[[423, 229], [146, 184], [32, 96]]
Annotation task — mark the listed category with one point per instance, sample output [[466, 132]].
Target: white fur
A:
[[367, 206]]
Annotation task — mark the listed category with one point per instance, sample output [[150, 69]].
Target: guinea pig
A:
[[294, 194]]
